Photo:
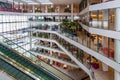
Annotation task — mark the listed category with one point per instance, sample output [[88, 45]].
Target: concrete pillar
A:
[[117, 42], [51, 44], [50, 47], [58, 9], [105, 39], [33, 8], [30, 36], [46, 9], [72, 16], [58, 54], [105, 19]]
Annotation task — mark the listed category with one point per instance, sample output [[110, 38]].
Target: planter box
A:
[[95, 65]]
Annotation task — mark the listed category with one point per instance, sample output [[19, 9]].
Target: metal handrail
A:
[[37, 59], [21, 68]]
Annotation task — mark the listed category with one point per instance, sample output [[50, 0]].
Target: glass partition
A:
[[28, 55]]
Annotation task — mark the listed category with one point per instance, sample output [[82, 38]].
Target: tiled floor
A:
[[76, 74], [99, 74], [104, 75]]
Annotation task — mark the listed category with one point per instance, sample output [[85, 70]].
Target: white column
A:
[[72, 16], [105, 0], [105, 39], [46, 9], [105, 19], [37, 34], [50, 47], [58, 9], [30, 36], [117, 42], [33, 8], [59, 12], [51, 42]]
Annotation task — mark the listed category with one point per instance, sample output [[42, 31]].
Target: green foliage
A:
[[39, 35], [34, 34], [80, 55], [74, 24], [70, 27], [46, 35], [67, 10], [67, 24], [51, 10], [38, 10]]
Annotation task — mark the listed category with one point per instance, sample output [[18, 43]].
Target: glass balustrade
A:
[[13, 71], [91, 41], [51, 18], [33, 58], [101, 19], [86, 3], [76, 52]]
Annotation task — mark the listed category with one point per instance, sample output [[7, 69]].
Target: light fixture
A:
[[51, 6], [68, 6]]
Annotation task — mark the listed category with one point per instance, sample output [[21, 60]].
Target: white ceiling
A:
[[45, 1]]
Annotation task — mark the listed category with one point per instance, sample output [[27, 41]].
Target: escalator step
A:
[[17, 58], [11, 71], [26, 63], [21, 62], [20, 74], [15, 72], [31, 67], [23, 77], [4, 66]]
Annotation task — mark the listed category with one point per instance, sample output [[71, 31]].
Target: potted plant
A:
[[38, 10], [46, 35], [33, 34], [67, 10], [51, 9], [70, 27], [80, 55]]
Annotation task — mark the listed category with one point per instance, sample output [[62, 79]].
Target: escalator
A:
[[13, 71], [44, 75]]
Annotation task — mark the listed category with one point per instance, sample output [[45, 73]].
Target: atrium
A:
[[59, 40]]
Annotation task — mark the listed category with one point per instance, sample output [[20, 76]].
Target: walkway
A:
[[76, 74]]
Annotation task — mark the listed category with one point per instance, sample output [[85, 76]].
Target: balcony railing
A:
[[28, 55]]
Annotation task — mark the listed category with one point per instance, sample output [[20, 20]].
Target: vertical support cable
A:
[[108, 29], [30, 34], [97, 35], [13, 6]]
